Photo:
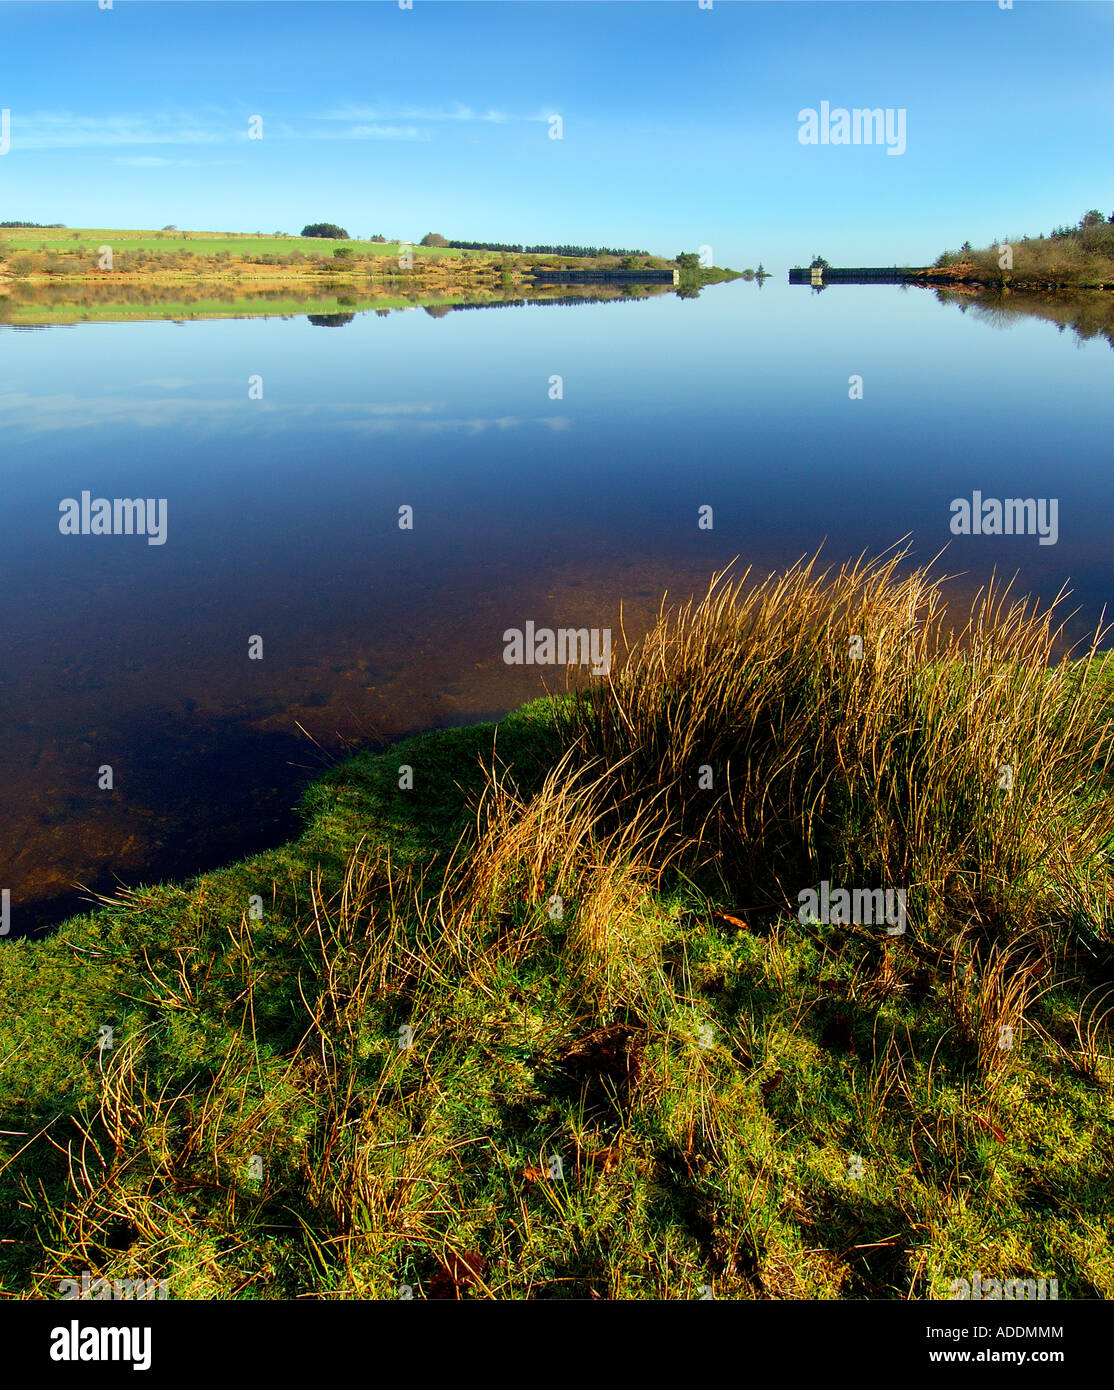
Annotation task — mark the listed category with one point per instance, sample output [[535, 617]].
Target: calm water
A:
[[282, 521]]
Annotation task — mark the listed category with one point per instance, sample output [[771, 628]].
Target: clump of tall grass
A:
[[561, 859], [845, 726], [989, 999]]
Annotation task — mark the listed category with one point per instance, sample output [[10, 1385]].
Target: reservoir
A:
[[286, 615]]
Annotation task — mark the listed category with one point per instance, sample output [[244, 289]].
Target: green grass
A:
[[206, 243], [60, 252], [739, 1101]]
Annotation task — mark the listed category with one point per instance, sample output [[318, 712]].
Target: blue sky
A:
[[680, 125]]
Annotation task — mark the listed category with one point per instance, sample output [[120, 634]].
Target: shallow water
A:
[[282, 522]]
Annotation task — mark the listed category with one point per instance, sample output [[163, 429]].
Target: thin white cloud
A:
[[156, 161], [380, 132], [413, 113], [284, 130], [58, 130]]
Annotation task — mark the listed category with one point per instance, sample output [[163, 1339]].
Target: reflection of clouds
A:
[[466, 424], [471, 425], [475, 424], [41, 414], [173, 383], [37, 414]]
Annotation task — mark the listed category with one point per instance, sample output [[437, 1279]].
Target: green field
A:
[[57, 256], [61, 239]]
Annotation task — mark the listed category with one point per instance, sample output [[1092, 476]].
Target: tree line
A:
[[518, 249], [1094, 218]]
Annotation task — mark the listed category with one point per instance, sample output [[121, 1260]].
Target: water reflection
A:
[[576, 506]]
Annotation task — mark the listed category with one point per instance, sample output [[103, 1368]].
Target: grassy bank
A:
[[86, 242], [635, 1070], [48, 255], [1079, 257]]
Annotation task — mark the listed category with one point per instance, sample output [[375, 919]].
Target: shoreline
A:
[[213, 299], [476, 945], [934, 276]]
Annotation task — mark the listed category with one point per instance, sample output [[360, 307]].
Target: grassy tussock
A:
[[882, 768], [564, 846], [549, 1026]]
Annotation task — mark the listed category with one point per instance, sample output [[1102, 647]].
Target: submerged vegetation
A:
[[529, 1009]]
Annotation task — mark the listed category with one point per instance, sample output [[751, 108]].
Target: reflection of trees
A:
[[74, 303], [618, 295], [1088, 313], [994, 315]]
